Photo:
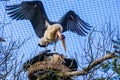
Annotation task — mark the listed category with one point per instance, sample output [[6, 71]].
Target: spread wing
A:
[[30, 10], [37, 58], [72, 22]]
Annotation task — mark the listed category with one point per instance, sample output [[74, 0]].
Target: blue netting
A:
[[94, 12]]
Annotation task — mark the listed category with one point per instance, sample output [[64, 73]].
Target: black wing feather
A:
[[37, 58], [30, 10], [71, 21]]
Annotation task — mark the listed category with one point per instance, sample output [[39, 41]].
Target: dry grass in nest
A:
[[42, 69]]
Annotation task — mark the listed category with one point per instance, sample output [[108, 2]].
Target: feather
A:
[[72, 22], [45, 29], [30, 10]]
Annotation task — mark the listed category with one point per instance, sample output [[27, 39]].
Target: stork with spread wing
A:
[[46, 30]]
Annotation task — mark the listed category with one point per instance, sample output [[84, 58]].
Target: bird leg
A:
[[46, 46], [55, 46]]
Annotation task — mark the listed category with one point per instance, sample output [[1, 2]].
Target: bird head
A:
[[58, 28], [55, 31], [58, 58]]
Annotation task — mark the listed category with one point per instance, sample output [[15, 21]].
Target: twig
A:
[[93, 64]]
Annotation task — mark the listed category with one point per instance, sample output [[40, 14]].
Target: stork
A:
[[45, 29], [51, 58]]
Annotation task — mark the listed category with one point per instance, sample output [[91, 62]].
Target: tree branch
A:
[[93, 64]]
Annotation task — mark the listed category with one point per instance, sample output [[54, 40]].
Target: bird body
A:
[[46, 30], [54, 58], [51, 58], [52, 34]]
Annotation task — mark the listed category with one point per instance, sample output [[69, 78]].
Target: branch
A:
[[93, 64]]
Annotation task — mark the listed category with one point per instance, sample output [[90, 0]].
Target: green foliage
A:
[[116, 61], [113, 64], [100, 78], [105, 66]]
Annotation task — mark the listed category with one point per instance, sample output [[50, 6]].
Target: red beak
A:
[[62, 38]]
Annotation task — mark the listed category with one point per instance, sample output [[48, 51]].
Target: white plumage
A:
[[45, 29], [52, 34]]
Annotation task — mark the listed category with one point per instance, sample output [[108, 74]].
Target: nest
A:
[[50, 71]]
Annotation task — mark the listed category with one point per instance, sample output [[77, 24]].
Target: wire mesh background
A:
[[94, 12]]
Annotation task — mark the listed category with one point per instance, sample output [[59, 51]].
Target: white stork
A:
[[46, 30]]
